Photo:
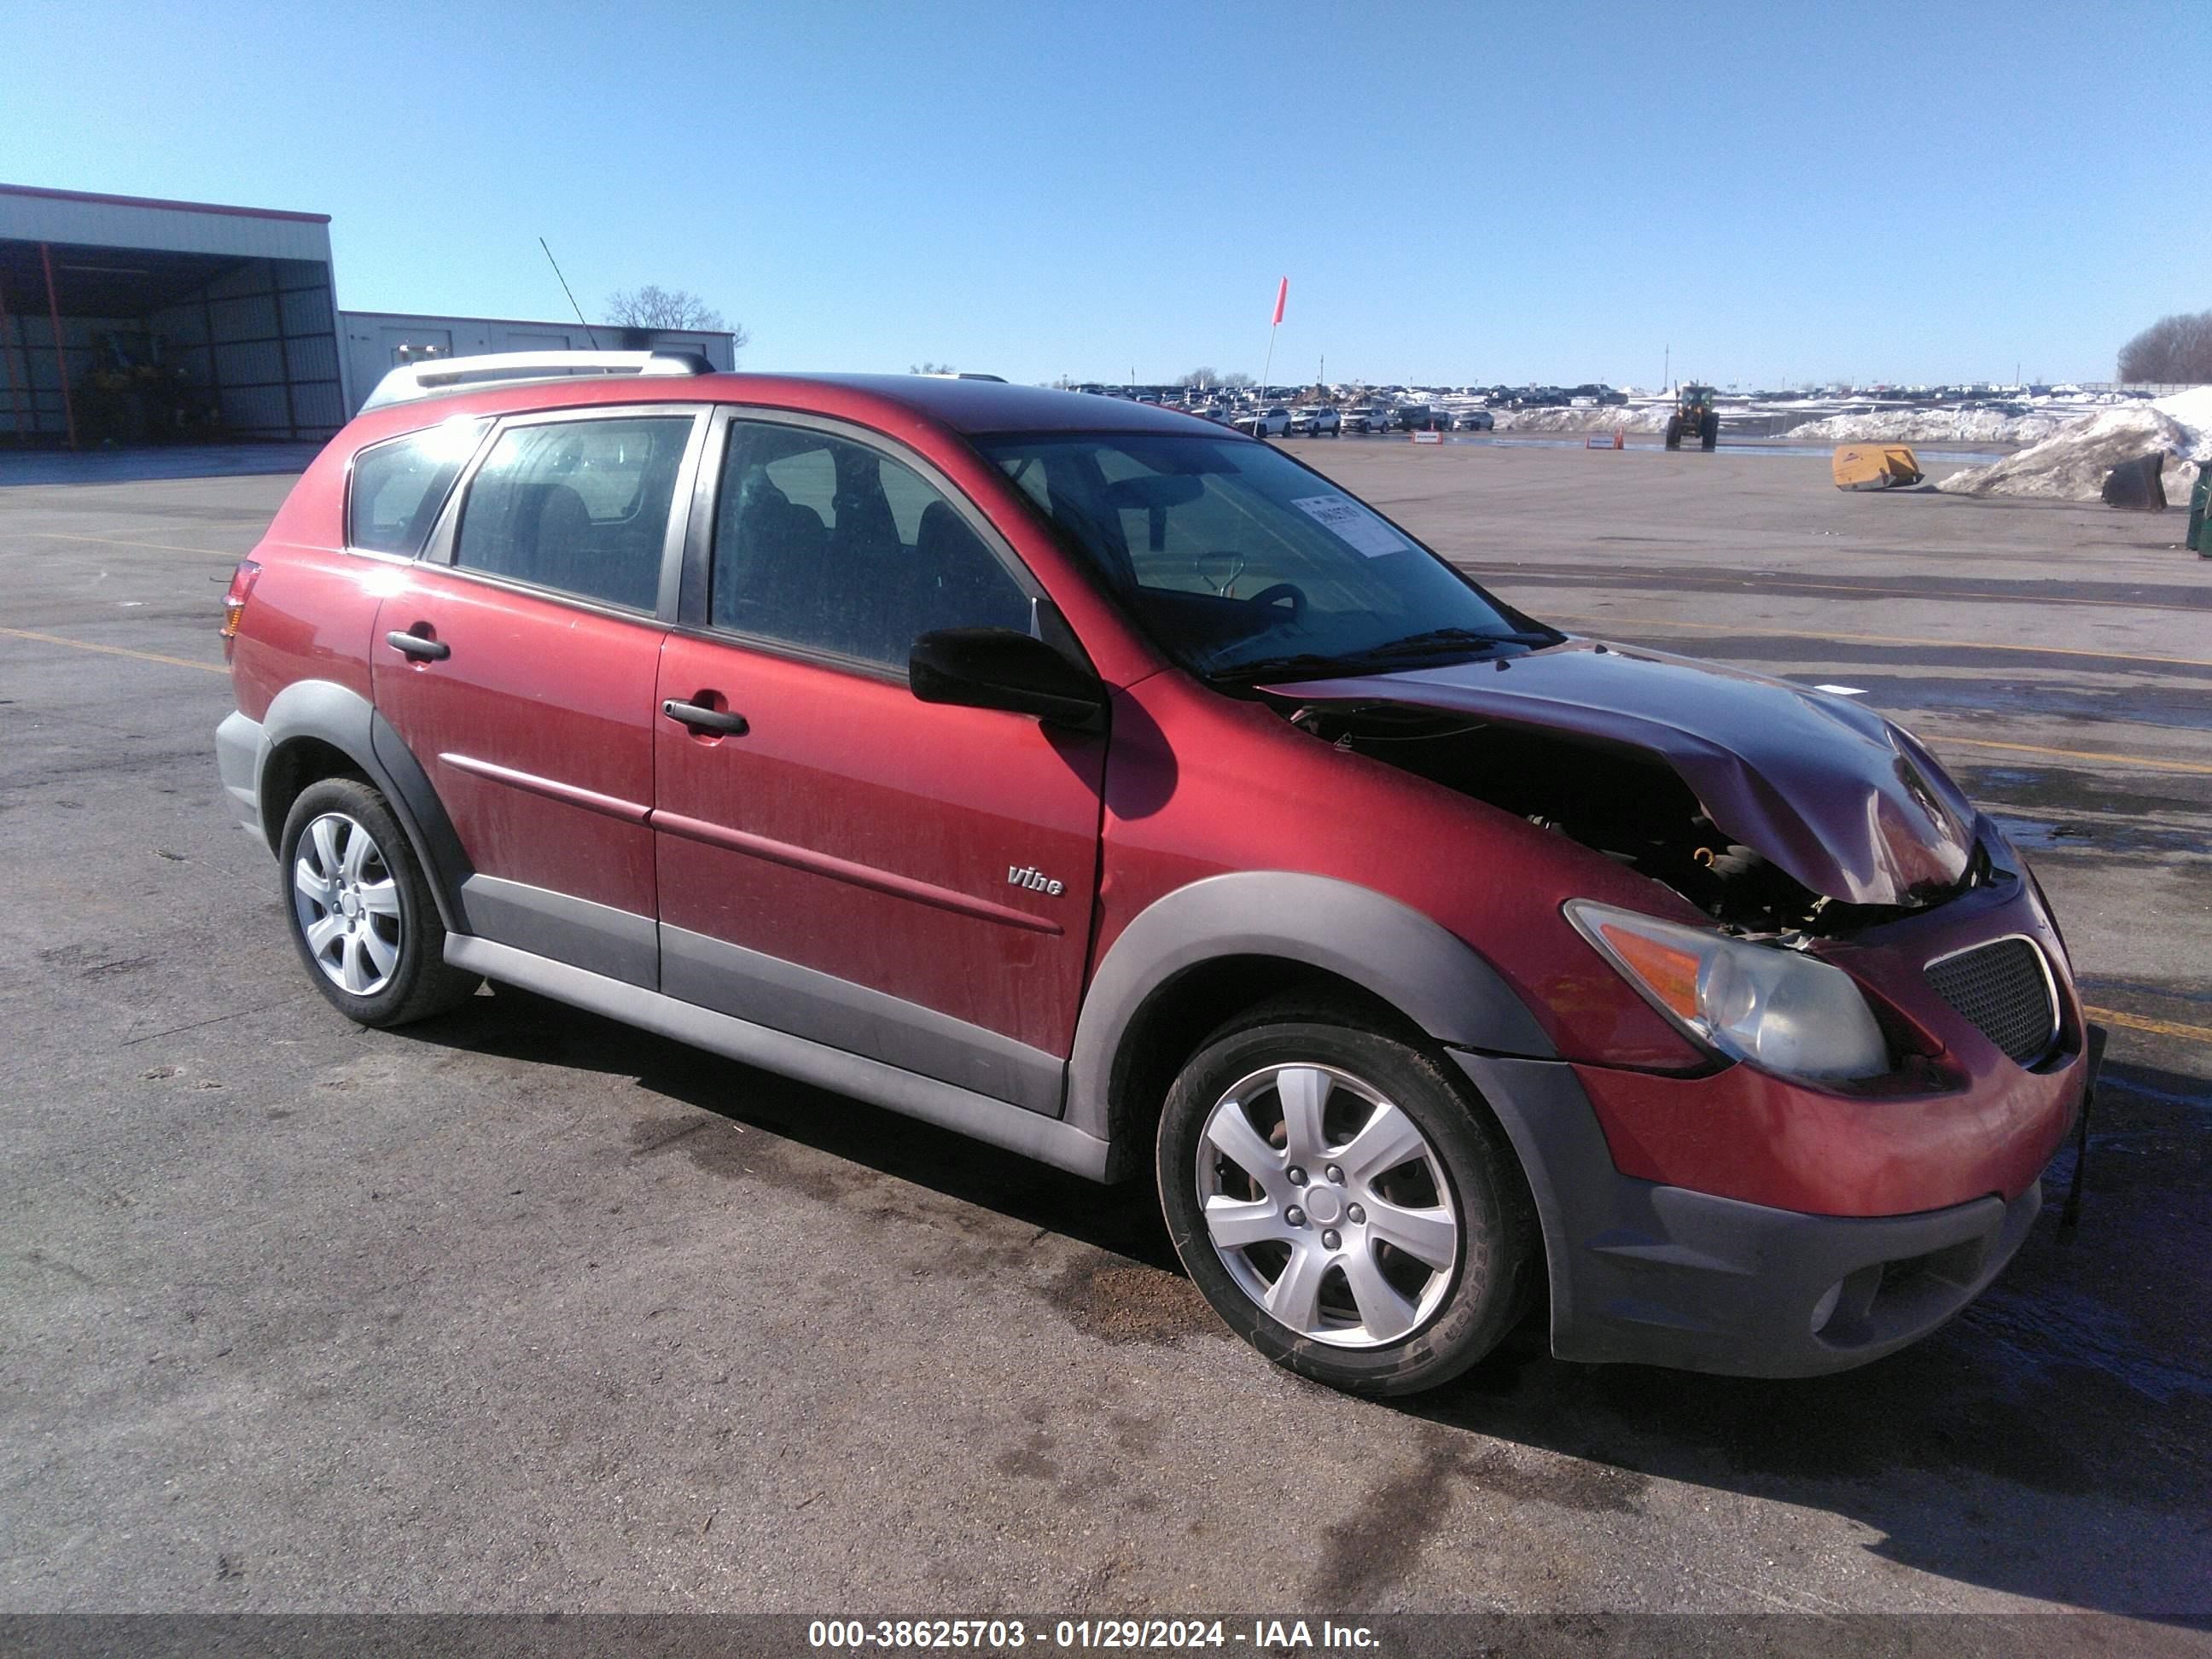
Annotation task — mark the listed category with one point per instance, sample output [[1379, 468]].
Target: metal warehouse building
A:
[[128, 320]]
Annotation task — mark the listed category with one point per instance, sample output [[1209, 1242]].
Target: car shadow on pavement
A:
[[2054, 1441], [520, 1024]]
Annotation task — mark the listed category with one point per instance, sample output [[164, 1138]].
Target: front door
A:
[[838, 859], [527, 648]]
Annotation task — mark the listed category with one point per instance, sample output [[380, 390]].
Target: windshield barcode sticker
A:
[[1353, 524]]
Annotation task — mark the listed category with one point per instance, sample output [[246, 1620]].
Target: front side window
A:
[[829, 545], [578, 507], [398, 486], [1235, 558]]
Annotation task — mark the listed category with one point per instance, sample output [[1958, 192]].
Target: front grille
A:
[[2003, 989]]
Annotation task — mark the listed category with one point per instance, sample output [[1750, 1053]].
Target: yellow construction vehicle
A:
[[1694, 417]]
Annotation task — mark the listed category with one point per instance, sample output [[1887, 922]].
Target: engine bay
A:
[[1625, 802]]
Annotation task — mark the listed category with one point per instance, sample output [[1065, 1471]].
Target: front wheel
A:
[[1345, 1206], [360, 909]]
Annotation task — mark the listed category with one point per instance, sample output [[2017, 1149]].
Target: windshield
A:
[[1240, 560]]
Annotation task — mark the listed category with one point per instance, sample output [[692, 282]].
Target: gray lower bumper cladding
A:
[[1659, 1275], [239, 745]]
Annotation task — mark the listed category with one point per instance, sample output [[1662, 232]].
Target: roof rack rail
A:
[[435, 375]]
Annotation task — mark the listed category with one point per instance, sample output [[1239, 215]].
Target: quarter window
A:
[[398, 487], [580, 507], [827, 544]]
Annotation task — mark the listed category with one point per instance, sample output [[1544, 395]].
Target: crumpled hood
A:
[[1836, 796]]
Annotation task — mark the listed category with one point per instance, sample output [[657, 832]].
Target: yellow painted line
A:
[[119, 541], [113, 650], [2156, 765], [2157, 1027], [1881, 639]]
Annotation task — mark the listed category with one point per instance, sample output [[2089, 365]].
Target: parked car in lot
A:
[[1122, 792], [1366, 418], [1420, 417], [1475, 420], [1318, 422], [1271, 423]]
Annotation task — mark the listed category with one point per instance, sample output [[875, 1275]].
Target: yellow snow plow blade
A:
[[1875, 466]]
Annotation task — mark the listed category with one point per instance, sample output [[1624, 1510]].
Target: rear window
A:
[[398, 486]]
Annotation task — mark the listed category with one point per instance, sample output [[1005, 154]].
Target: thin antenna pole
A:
[[566, 289]]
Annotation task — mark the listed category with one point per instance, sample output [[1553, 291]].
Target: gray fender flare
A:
[[348, 722], [1414, 962]]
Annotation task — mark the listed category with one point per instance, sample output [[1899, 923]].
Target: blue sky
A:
[[1457, 192]]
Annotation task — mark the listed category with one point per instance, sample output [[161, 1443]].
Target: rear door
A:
[[907, 881], [517, 663]]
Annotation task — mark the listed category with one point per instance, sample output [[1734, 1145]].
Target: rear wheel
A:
[[1709, 431], [1673, 432], [360, 909], [1345, 1206]]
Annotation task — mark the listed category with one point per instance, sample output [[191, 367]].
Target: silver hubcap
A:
[[1328, 1206], [348, 905]]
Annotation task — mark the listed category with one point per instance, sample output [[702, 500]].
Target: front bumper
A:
[[1653, 1274]]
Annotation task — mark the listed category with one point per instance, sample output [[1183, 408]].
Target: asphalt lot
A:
[[519, 1309]]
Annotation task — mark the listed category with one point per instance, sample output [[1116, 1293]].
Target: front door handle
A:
[[414, 644], [699, 718]]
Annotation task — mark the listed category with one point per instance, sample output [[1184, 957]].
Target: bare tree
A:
[[1237, 379], [1201, 379], [931, 369], [2172, 350], [654, 306]]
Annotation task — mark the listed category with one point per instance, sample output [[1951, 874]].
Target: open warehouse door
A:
[[125, 320]]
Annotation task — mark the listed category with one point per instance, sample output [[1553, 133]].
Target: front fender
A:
[[1411, 961]]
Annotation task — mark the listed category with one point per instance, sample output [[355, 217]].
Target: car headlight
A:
[[1782, 1011]]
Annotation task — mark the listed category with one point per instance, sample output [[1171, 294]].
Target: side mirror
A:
[[999, 668]]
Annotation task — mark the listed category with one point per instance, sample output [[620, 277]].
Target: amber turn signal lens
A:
[[233, 602], [1671, 973]]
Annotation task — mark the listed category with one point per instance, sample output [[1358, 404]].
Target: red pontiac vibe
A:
[[1104, 784]]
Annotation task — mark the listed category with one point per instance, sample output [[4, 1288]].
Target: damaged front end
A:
[[1774, 809]]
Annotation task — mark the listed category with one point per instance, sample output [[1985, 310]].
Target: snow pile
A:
[[2072, 465], [1930, 425], [1652, 418]]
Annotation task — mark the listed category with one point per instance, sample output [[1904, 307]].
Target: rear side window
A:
[[398, 486], [578, 507]]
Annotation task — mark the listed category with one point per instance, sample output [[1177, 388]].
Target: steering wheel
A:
[[1276, 594]]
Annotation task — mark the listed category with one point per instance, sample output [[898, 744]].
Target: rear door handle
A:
[[700, 718], [414, 644]]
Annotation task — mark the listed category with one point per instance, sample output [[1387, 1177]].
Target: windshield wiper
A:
[[1305, 665], [1438, 641]]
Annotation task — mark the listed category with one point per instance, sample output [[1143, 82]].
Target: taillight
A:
[[234, 603]]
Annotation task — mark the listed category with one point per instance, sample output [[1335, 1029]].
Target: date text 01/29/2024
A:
[[1003, 1635]]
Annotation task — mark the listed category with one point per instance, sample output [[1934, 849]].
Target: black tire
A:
[[1499, 1254], [1709, 431], [1673, 432], [419, 983]]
